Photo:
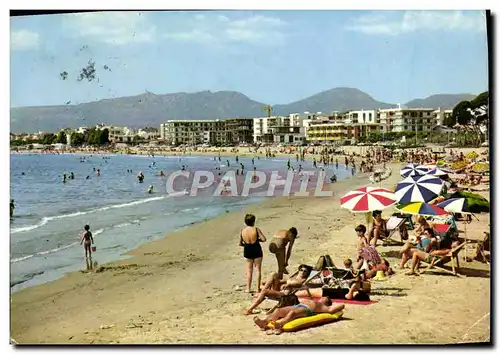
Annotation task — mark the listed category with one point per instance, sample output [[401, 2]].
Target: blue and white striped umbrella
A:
[[455, 205], [418, 189], [437, 172], [413, 170]]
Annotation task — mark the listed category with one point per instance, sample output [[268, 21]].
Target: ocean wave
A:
[[45, 220]]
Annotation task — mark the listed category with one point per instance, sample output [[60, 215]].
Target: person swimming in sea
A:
[[64, 178], [87, 239], [140, 177], [72, 175], [150, 189], [88, 177], [227, 163], [12, 207], [98, 172]]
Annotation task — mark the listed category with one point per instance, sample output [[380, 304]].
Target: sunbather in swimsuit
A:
[[251, 250], [309, 312], [283, 315]]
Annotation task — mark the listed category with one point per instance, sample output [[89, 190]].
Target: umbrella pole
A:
[[465, 240]]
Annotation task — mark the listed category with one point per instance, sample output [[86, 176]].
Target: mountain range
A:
[[149, 109]]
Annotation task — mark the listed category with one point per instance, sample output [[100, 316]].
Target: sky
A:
[[274, 57]]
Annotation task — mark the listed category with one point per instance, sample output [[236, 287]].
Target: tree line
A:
[[92, 137]]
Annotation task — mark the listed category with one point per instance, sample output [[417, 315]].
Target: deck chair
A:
[[393, 224], [438, 262], [483, 247], [408, 220], [328, 276]]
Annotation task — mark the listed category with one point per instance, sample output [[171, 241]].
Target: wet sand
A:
[[188, 288]]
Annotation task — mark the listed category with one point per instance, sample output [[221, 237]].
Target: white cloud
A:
[[24, 40], [411, 21], [116, 28], [218, 29]]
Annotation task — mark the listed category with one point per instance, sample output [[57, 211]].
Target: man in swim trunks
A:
[[278, 246], [305, 309]]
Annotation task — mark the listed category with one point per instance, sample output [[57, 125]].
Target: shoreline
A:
[[183, 288], [127, 253]]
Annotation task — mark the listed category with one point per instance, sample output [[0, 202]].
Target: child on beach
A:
[[87, 239]]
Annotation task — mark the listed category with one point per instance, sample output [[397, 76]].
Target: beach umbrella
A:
[[472, 155], [437, 172], [418, 208], [418, 189], [475, 202], [366, 199], [481, 167], [455, 205], [413, 170]]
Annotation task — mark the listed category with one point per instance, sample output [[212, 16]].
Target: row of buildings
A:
[[297, 128], [116, 134]]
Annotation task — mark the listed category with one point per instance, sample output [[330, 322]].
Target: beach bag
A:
[[324, 262], [94, 248]]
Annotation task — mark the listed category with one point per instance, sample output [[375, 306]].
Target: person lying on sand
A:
[[441, 248], [275, 287], [354, 289], [304, 309], [278, 246]]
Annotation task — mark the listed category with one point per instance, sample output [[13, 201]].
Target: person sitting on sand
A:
[[250, 238], [305, 309], [424, 244], [440, 248], [276, 287], [87, 239], [348, 264], [278, 246]]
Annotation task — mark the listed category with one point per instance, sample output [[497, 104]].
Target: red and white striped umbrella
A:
[[367, 199]]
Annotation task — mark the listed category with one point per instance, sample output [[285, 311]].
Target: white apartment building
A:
[[362, 117], [120, 134], [148, 134], [407, 119], [441, 114]]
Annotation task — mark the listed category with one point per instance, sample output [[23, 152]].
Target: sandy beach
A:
[[187, 288]]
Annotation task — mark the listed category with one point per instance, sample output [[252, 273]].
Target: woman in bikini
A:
[[87, 239], [278, 246], [250, 238]]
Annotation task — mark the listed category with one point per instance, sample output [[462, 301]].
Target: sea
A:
[[49, 216]]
